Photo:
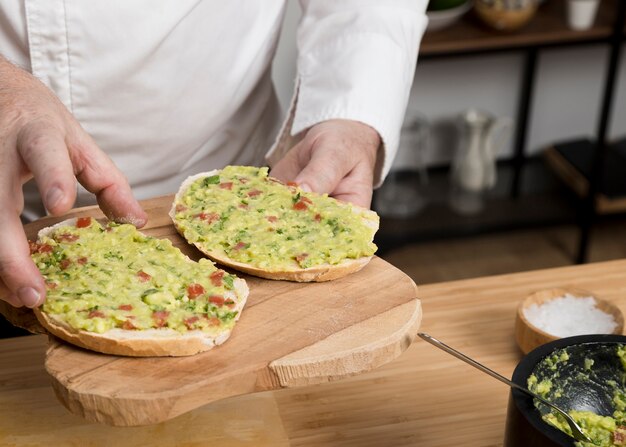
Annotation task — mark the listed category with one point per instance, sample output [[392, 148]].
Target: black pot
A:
[[524, 426]]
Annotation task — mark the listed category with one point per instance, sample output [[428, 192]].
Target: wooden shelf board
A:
[[547, 27], [578, 182]]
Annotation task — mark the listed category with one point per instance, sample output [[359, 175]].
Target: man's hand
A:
[[39, 138], [335, 157]]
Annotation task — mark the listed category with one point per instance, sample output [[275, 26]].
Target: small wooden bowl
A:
[[528, 336]]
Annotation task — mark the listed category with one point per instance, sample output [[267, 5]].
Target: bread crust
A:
[[140, 343], [319, 273]]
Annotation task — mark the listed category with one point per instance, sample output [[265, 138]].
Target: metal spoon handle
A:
[[578, 434], [441, 345]]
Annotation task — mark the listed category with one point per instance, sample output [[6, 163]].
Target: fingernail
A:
[[53, 197], [28, 296], [305, 187], [133, 220]]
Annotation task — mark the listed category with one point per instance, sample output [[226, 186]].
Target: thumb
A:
[[322, 174]]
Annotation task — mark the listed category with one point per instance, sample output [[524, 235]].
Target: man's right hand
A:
[[40, 138]]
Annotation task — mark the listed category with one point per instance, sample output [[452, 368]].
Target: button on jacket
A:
[[175, 87]]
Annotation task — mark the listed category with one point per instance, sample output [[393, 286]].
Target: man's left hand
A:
[[335, 157]]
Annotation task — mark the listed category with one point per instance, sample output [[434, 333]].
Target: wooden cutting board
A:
[[290, 334]]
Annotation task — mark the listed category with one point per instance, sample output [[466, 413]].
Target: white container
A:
[[581, 13]]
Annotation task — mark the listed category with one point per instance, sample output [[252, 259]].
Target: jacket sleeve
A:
[[356, 60]]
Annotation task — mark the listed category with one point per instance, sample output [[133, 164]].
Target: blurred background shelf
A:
[[547, 28], [523, 205], [544, 200], [573, 162]]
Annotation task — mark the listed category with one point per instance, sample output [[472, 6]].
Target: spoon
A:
[[577, 432]]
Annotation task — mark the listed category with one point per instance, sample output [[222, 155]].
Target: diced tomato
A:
[[39, 248], [216, 278], [180, 208], [66, 237], [243, 180], [240, 245], [619, 435], [65, 263], [318, 217], [243, 206], [51, 285], [209, 217], [272, 218], [95, 314], [125, 307], [294, 184], [306, 200], [213, 321], [300, 205], [226, 185], [217, 300], [82, 260], [45, 248], [194, 290], [189, 322], [254, 193], [128, 325], [301, 257], [160, 318], [83, 222], [143, 276], [229, 303]]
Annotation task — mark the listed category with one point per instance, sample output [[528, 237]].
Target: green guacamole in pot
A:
[[556, 376]]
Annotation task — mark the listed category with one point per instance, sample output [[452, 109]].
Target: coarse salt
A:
[[569, 315]]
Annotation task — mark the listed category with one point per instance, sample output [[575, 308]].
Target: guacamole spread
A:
[[257, 220], [603, 430], [100, 278]]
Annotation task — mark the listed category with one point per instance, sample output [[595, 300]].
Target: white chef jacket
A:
[[174, 87]]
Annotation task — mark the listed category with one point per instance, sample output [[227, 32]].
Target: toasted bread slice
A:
[[244, 219], [114, 290]]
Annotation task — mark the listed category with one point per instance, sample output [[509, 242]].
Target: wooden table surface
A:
[[424, 398]]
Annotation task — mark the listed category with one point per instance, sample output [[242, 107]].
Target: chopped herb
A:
[[228, 316], [114, 255], [148, 292], [190, 305], [228, 280], [212, 180]]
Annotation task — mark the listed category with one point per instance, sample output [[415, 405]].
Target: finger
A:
[[356, 187], [42, 148], [12, 300], [287, 167], [322, 173], [361, 199], [17, 270], [8, 296], [18, 273], [99, 175]]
